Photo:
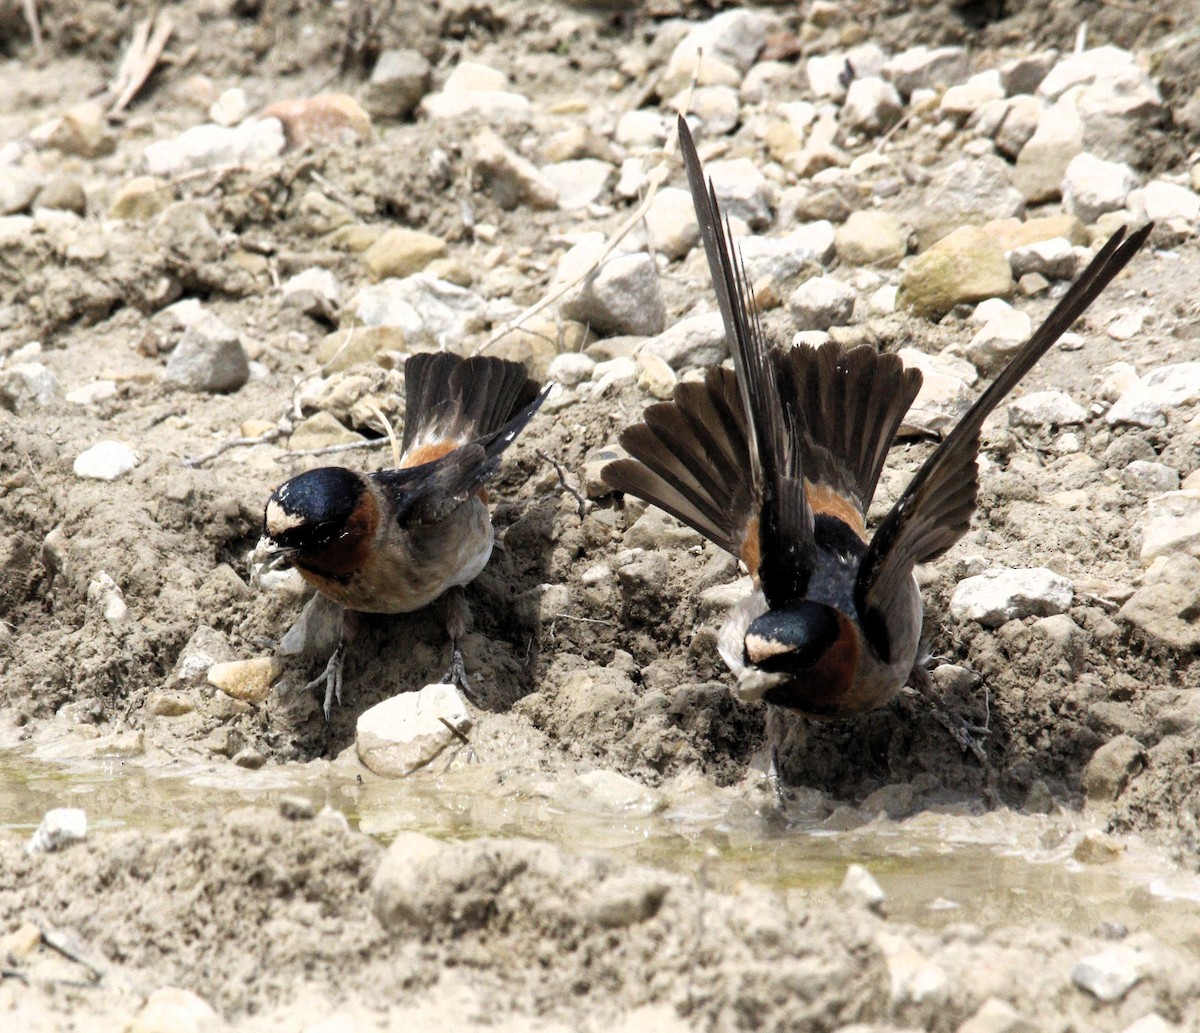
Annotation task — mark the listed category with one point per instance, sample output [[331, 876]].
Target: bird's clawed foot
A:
[[331, 678], [456, 674], [960, 730]]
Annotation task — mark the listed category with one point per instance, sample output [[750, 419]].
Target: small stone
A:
[[1166, 609], [1149, 478], [642, 129], [997, 1016], [249, 758], [402, 252], [694, 342], [247, 680], [716, 52], [297, 808], [475, 89], [1045, 409], [965, 99], [964, 267], [105, 594], [1091, 186], [622, 296], [326, 119], [942, 401], [83, 130], [579, 183], [716, 108], [1146, 402], [404, 733], [1043, 160], [1111, 767], [822, 302], [999, 595], [26, 386], [173, 1010], [998, 340], [321, 430], [106, 461], [1172, 525], [209, 358], [860, 886], [655, 376], [920, 68], [21, 942], [742, 191], [571, 369], [230, 107], [429, 311], [590, 472], [399, 889], [141, 199], [1097, 848], [1160, 201], [871, 238], [512, 179], [208, 146], [398, 81], [345, 348], [63, 193], [18, 188], [60, 827], [621, 901], [1024, 74], [1055, 259], [671, 222], [872, 106], [1111, 974], [206, 647], [168, 704], [93, 393], [781, 259], [972, 190]]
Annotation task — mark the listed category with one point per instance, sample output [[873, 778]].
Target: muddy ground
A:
[[258, 914]]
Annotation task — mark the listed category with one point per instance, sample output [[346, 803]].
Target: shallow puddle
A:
[[994, 870]]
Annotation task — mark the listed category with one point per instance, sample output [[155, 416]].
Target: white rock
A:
[[623, 296], [642, 128], [1160, 201], [207, 146], [1092, 186], [1045, 156], [571, 368], [475, 89], [1118, 378], [1128, 325], [209, 357], [966, 98], [1045, 409], [1147, 402], [1149, 478], [919, 67], [826, 75], [1152, 1023], [106, 461], [1082, 69], [512, 179], [230, 107], [398, 81], [60, 827], [655, 376], [671, 222], [943, 399], [621, 370], [810, 338], [1017, 121], [90, 394], [998, 339], [402, 734], [27, 385], [742, 191], [632, 181], [883, 301], [860, 886], [580, 182], [316, 631], [1000, 594], [315, 280], [988, 309], [427, 309], [1054, 259], [1172, 525], [105, 594], [1111, 973], [778, 259], [611, 791], [716, 107], [693, 342], [18, 187], [872, 106], [717, 52], [822, 302]]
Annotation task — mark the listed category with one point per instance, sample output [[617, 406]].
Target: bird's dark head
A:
[[321, 520], [799, 655]]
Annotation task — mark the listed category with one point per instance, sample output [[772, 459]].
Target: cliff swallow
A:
[[395, 540], [777, 462]]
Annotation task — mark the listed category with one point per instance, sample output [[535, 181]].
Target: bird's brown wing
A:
[[935, 510]]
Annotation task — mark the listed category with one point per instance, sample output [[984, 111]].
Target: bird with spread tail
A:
[[396, 540], [777, 461]]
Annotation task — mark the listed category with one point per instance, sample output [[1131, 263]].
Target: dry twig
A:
[[35, 28], [575, 493], [225, 446], [139, 60]]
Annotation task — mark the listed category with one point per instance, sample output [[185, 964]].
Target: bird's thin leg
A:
[[960, 731], [331, 677], [457, 612], [776, 733]]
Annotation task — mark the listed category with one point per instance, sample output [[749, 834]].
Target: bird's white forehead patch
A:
[[278, 520], [759, 648]]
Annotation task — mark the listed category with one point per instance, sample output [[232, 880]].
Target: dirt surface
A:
[[584, 655]]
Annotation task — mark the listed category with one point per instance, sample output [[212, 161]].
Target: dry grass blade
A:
[[35, 28], [140, 59]]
